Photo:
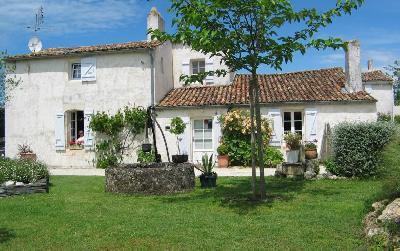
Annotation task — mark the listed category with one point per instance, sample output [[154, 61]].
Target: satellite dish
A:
[[35, 45]]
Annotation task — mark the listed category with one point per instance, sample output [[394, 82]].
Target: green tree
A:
[[249, 34], [395, 74]]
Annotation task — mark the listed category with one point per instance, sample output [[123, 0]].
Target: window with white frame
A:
[[75, 125], [198, 66], [293, 122], [76, 71], [202, 134]]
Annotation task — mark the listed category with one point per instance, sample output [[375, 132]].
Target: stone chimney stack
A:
[[370, 65], [353, 67], [154, 21]]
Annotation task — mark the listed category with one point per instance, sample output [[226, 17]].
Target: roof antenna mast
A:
[[34, 44]]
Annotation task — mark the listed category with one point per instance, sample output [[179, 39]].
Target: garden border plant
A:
[[357, 147], [116, 134]]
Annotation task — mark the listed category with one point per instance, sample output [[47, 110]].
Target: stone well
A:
[[154, 178]]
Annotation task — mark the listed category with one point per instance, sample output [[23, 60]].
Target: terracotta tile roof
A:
[[306, 86], [375, 76], [59, 52]]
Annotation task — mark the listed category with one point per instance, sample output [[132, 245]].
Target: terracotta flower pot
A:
[[223, 161], [311, 154], [28, 156]]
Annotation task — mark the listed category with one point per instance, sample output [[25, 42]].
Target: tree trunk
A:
[[253, 141], [260, 143]]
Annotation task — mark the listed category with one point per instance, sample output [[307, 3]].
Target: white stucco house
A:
[[61, 88]]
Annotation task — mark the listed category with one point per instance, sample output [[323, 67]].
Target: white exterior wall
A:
[[383, 93], [163, 67], [326, 113], [183, 53], [46, 89]]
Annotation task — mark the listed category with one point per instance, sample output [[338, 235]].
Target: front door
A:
[[202, 139]]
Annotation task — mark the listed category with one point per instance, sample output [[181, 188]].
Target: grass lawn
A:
[[77, 214]]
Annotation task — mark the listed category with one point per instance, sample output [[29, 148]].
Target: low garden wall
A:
[[40, 186], [154, 178]]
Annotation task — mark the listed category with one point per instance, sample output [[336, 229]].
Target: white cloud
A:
[[69, 16], [381, 58], [333, 58]]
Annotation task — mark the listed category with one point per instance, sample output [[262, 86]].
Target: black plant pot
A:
[[180, 158], [146, 148], [209, 180]]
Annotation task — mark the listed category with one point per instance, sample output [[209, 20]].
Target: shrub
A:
[[331, 166], [292, 140], [236, 130], [20, 170], [222, 150], [384, 117], [144, 157], [397, 119], [357, 147], [177, 128], [273, 156]]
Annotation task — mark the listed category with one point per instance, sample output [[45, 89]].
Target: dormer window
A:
[[76, 71], [198, 66]]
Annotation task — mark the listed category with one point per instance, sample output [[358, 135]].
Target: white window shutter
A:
[[311, 124], [59, 132], [88, 69], [88, 134], [275, 118], [184, 138], [209, 67], [216, 133], [186, 67]]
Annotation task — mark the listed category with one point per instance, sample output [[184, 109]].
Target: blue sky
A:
[[71, 23]]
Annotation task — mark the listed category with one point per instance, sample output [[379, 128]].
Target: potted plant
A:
[[178, 127], [273, 157], [74, 145], [25, 152], [208, 178], [293, 144], [310, 150], [223, 157]]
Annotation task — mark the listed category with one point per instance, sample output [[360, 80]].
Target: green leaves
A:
[[115, 134], [177, 126]]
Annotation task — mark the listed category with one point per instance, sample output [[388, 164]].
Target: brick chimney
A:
[[154, 21], [353, 67]]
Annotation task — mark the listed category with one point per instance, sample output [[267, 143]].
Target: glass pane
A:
[[297, 116], [297, 125], [208, 144], [202, 64], [198, 144], [208, 134], [198, 124], [198, 134], [287, 116], [208, 124], [195, 71], [287, 126]]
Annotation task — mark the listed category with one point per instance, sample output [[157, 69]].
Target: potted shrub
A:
[[223, 157], [310, 151], [178, 127], [208, 178], [293, 144], [25, 152], [273, 157]]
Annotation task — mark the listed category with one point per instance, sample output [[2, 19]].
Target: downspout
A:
[[152, 79]]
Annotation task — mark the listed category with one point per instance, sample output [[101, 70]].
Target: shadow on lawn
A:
[[236, 194], [6, 234]]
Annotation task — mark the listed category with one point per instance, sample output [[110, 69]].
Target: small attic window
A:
[[198, 66], [76, 71]]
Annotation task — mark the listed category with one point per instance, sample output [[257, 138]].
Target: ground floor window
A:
[[202, 134], [75, 127], [293, 122]]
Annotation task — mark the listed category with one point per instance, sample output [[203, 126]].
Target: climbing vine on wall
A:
[[116, 134]]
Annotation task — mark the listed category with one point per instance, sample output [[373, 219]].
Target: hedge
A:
[[26, 171], [357, 147]]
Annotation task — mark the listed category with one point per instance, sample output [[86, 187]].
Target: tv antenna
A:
[[34, 44], [39, 20]]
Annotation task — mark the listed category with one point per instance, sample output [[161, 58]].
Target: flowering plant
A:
[[73, 142]]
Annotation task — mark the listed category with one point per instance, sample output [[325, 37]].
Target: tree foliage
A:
[[8, 79], [395, 73], [116, 134]]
